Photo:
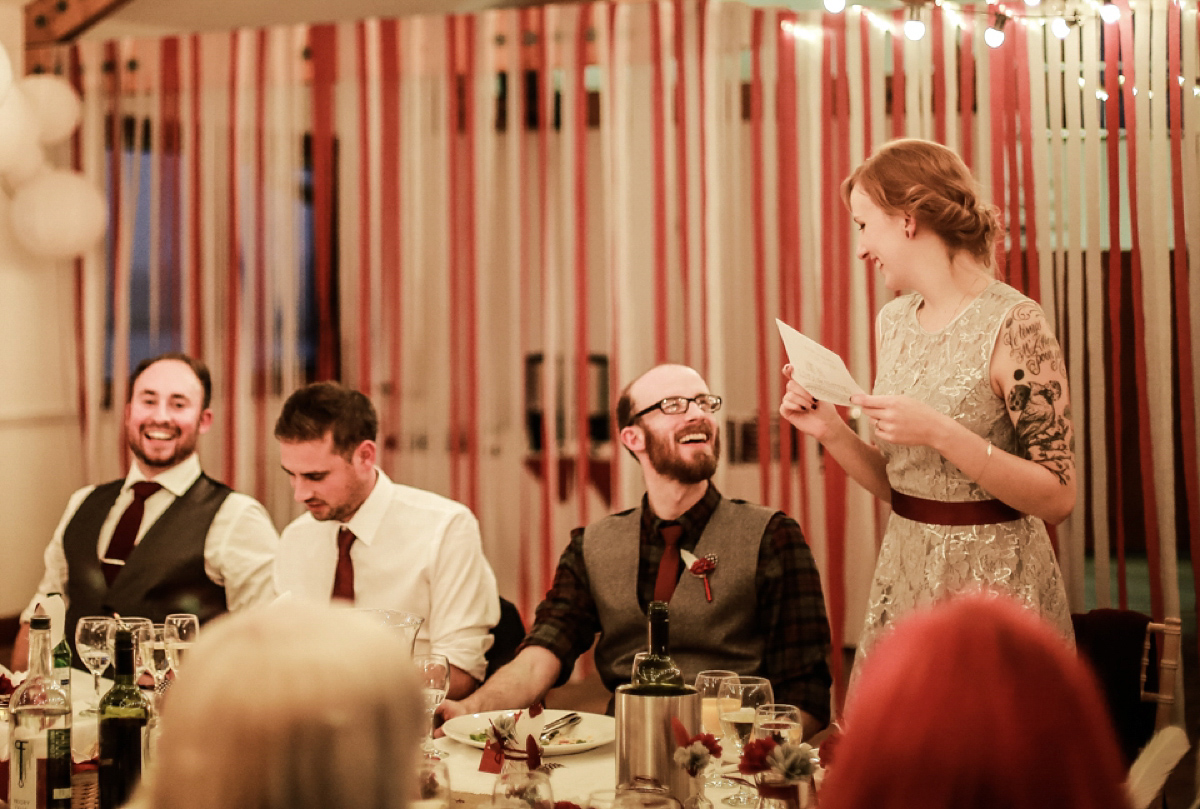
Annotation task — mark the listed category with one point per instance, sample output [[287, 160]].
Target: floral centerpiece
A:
[[693, 754], [782, 772], [502, 736]]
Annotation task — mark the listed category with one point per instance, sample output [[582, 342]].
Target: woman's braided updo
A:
[[929, 182]]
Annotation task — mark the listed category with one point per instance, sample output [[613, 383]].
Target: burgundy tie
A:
[[121, 544], [343, 575], [668, 566]]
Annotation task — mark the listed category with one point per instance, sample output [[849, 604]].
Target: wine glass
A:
[[181, 631], [707, 684], [135, 626], [433, 672], [778, 721], [523, 789], [93, 642], [152, 642], [433, 785], [737, 699]]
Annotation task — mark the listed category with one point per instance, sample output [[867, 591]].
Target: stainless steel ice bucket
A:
[[645, 741]]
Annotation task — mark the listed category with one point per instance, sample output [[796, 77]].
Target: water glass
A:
[[601, 799], [708, 682], [433, 673], [94, 644], [182, 629], [738, 698], [778, 721]]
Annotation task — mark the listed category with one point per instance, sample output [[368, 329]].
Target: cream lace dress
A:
[[921, 563]]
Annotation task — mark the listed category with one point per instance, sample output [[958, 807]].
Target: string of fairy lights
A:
[[1062, 18]]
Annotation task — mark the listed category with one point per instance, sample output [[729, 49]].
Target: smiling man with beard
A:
[[166, 538], [766, 615]]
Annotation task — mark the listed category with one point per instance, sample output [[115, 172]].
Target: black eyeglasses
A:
[[674, 405]]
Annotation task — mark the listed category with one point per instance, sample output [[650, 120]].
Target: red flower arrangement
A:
[[694, 752]]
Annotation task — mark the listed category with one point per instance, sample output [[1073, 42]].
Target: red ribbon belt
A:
[[941, 512]]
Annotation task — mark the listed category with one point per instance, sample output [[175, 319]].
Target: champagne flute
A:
[[433, 671], [707, 684], [93, 642], [738, 697], [182, 629]]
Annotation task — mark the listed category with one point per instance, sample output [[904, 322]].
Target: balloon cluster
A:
[[52, 213]]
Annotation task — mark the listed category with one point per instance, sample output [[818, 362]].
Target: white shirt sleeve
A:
[[239, 552], [465, 603], [54, 580]]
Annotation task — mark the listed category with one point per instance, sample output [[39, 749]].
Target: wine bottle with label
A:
[[39, 764], [124, 712], [655, 670]]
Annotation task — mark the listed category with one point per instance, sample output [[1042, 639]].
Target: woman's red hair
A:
[[976, 703]]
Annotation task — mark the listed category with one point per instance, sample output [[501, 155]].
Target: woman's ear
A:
[[910, 227]]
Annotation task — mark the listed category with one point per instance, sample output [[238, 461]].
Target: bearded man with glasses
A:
[[759, 610]]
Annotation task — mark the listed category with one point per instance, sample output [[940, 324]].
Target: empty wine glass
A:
[[93, 642], [181, 631], [738, 698], [433, 672], [707, 684]]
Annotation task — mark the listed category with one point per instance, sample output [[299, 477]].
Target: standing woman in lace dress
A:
[[970, 416]]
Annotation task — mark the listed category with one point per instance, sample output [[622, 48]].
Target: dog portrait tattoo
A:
[[1044, 430]]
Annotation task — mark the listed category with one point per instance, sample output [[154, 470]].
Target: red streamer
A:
[[758, 229], [323, 46], [233, 271]]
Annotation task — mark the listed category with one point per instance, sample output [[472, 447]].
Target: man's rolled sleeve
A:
[[566, 621], [796, 657]]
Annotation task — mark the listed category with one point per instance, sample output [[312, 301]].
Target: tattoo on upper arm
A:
[[1045, 433], [1042, 417], [1030, 342]]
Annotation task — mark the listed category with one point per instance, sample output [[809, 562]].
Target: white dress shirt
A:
[[238, 550], [416, 552]]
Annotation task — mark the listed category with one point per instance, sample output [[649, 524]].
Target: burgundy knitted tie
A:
[[668, 566], [121, 544], [343, 575]]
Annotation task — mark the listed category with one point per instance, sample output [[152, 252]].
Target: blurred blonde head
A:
[[291, 707]]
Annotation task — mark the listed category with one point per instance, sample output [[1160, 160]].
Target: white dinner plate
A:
[[592, 731]]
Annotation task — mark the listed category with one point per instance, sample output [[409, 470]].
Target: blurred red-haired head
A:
[[976, 703]]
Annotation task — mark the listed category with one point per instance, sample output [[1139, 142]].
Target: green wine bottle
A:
[[61, 653], [656, 672], [124, 712], [39, 765]]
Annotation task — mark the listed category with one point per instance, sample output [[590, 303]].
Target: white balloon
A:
[[58, 214], [6, 74], [18, 131], [31, 165], [12, 255], [55, 104]]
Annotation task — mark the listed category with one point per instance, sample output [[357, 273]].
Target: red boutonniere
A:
[[700, 567]]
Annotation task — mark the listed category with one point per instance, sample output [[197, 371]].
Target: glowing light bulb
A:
[[993, 37], [1110, 12], [835, 6], [1060, 28], [914, 28]]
